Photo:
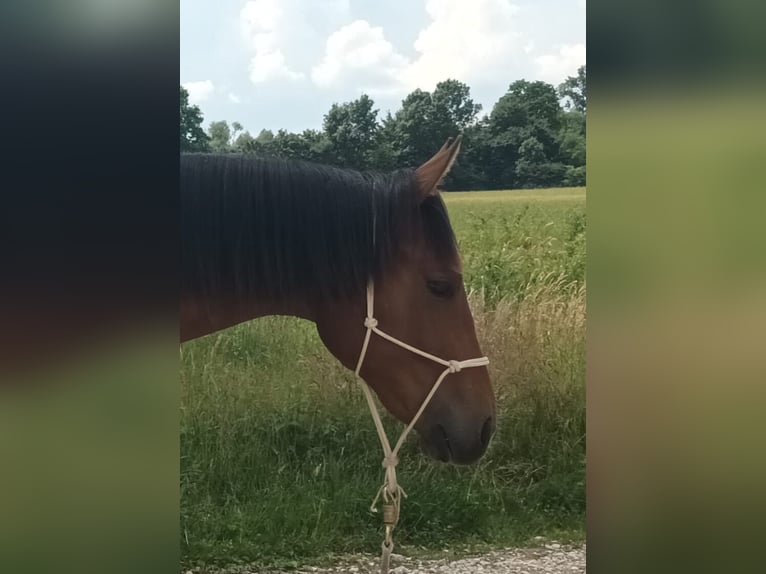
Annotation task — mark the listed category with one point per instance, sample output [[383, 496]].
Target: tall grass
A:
[[279, 459]]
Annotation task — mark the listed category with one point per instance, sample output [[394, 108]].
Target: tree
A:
[[265, 137], [527, 140], [290, 145], [573, 147], [384, 156], [236, 129], [317, 145], [473, 168], [351, 129], [527, 110], [243, 143], [572, 90], [413, 129], [426, 120], [220, 136], [534, 169], [193, 137], [573, 138], [453, 109]]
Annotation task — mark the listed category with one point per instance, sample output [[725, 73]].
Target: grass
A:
[[280, 460]]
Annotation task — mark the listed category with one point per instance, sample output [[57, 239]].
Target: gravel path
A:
[[549, 559]]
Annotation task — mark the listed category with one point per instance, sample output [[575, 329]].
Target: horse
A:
[[269, 236]]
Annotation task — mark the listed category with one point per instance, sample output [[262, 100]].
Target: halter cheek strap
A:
[[390, 491]]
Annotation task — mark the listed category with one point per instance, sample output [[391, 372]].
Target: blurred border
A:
[[677, 285], [88, 296]]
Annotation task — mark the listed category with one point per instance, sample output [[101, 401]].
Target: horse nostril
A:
[[444, 450], [486, 432]]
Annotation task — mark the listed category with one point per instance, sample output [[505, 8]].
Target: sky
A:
[[281, 64]]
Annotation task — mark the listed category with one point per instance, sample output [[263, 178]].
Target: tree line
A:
[[534, 136]]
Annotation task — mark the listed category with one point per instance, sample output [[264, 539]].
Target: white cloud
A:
[[463, 40], [360, 50], [319, 51], [474, 42], [269, 64], [555, 68], [261, 15], [199, 91], [260, 23], [285, 35]]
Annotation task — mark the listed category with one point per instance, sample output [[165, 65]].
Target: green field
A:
[[279, 456]]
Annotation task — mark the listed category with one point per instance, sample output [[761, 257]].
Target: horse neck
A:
[[201, 317]]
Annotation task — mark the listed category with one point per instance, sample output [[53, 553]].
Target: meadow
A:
[[279, 456]]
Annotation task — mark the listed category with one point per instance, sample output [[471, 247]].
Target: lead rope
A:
[[391, 492]]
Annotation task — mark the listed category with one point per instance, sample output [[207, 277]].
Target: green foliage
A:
[[474, 165], [453, 108], [220, 136], [193, 137], [279, 459], [526, 141], [529, 112], [318, 146], [426, 120], [572, 139], [243, 143], [265, 137], [413, 129], [309, 145], [574, 92], [351, 129], [385, 155], [574, 176]]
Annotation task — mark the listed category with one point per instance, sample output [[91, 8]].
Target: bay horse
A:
[[279, 237]]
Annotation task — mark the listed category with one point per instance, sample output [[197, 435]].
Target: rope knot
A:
[[370, 322], [455, 367], [390, 461]]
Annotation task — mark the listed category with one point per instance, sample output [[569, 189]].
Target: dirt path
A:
[[549, 559]]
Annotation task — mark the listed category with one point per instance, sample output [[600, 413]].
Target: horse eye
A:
[[440, 288]]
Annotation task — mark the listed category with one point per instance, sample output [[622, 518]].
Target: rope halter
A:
[[391, 492]]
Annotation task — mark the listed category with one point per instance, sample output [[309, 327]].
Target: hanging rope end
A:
[[385, 556]]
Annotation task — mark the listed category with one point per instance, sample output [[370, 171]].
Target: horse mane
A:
[[274, 228]]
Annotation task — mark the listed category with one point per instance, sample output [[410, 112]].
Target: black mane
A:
[[271, 228]]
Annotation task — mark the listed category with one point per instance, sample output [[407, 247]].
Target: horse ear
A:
[[430, 175]]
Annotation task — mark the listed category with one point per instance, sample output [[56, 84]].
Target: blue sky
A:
[[281, 63]]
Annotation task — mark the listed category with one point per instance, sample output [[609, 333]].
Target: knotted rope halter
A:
[[391, 492]]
